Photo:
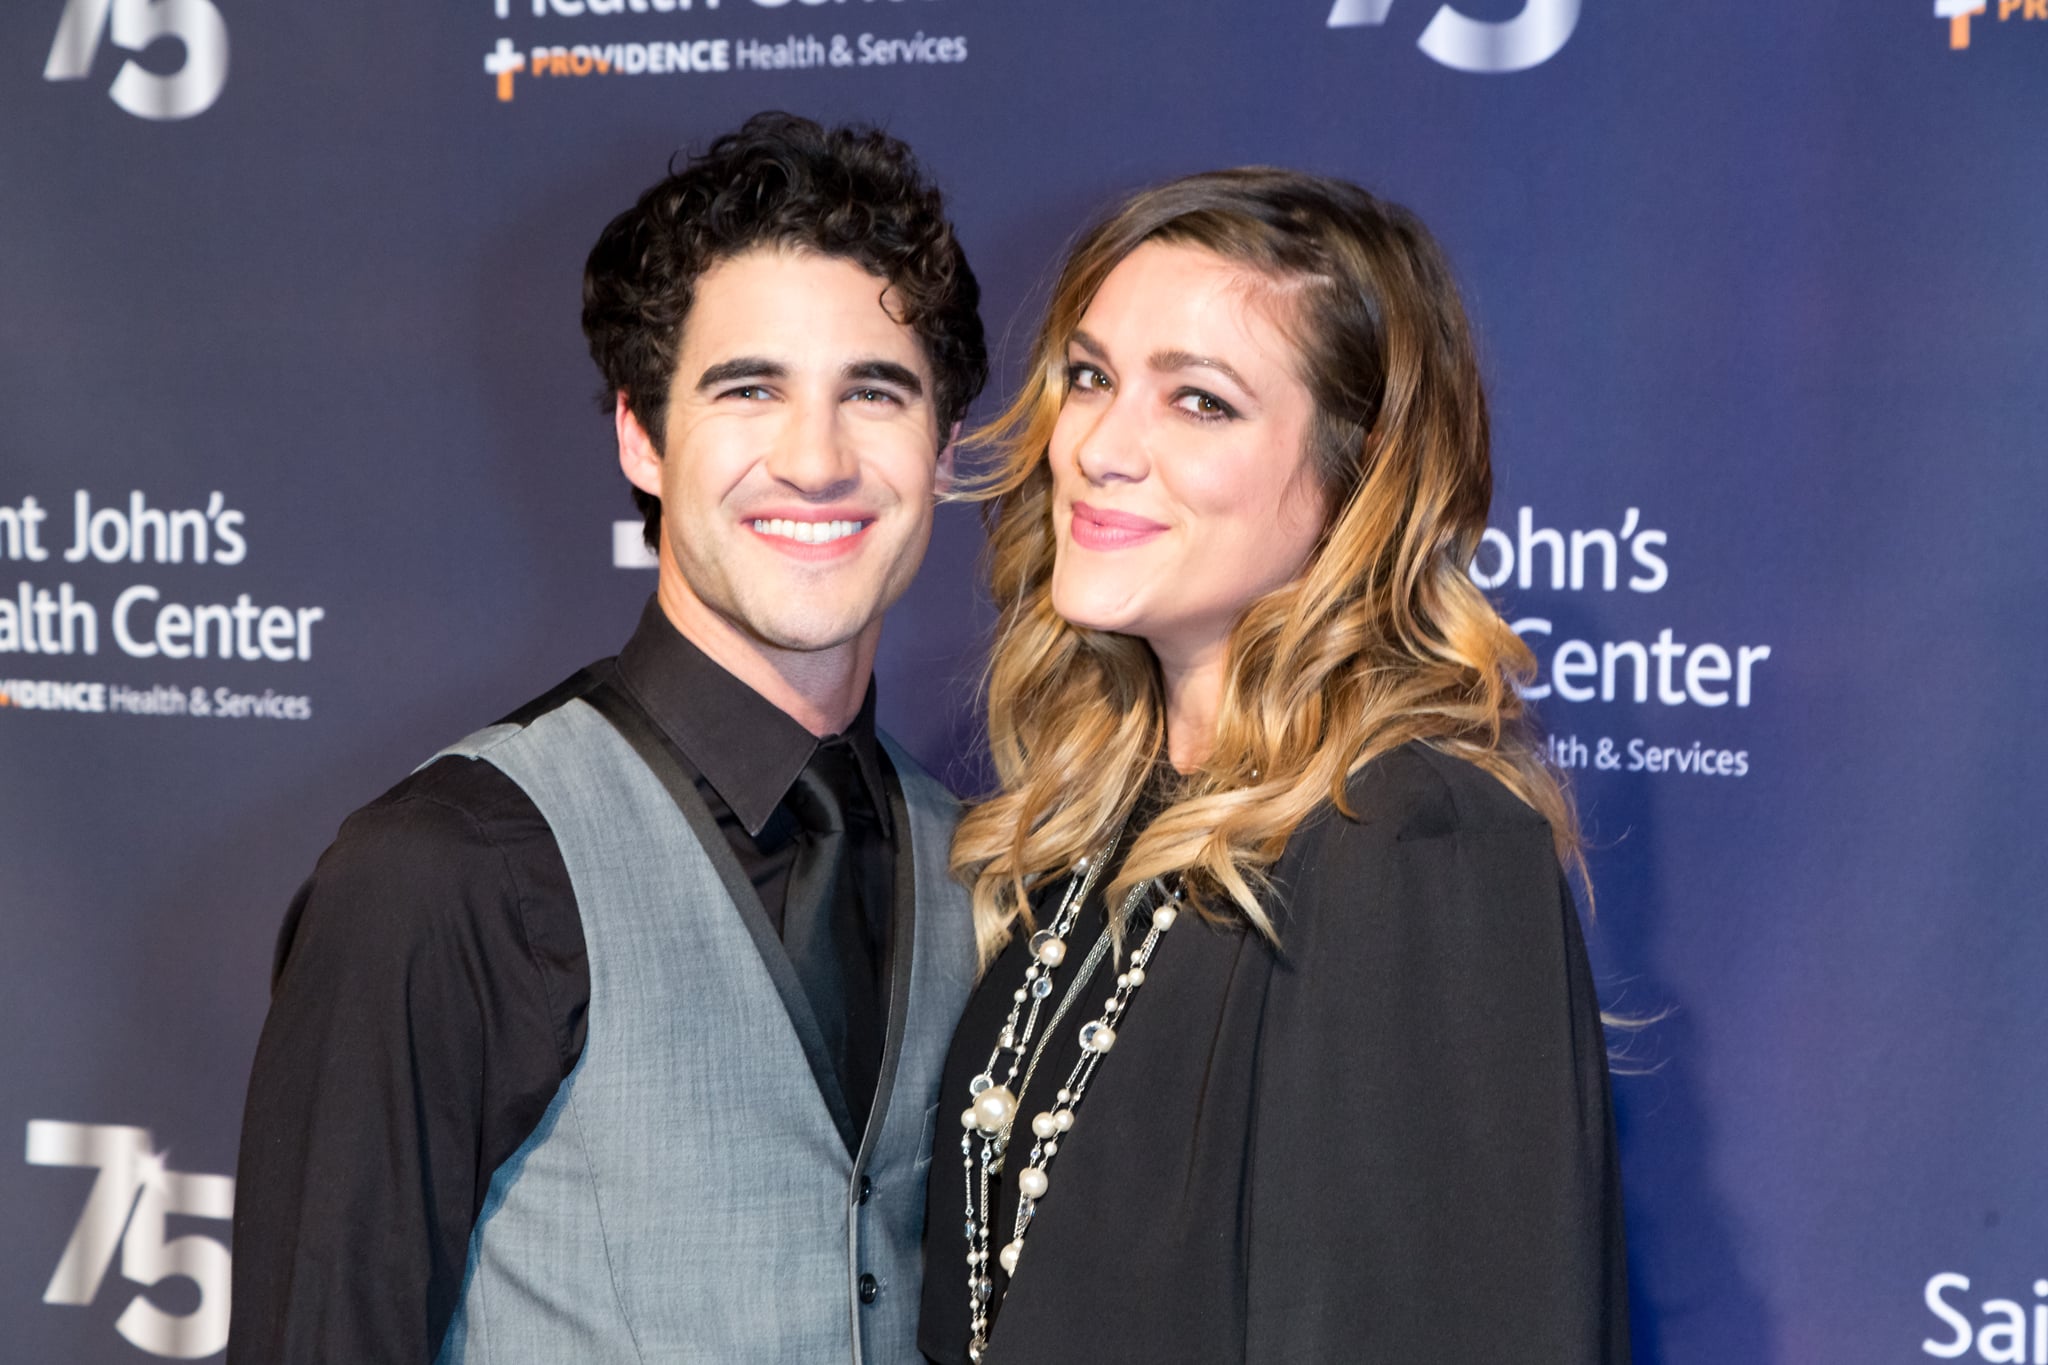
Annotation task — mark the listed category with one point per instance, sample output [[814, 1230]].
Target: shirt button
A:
[[870, 1289], [866, 1188]]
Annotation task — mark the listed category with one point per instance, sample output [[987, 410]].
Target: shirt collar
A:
[[749, 749]]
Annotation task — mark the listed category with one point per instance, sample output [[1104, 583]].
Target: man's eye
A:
[[747, 391], [874, 396]]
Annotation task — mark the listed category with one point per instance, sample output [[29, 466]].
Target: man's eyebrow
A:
[[1169, 361], [741, 367], [886, 372]]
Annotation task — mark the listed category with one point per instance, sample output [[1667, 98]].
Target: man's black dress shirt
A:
[[430, 994]]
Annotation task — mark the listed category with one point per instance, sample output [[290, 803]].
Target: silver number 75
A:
[[134, 25], [131, 1197], [1535, 35]]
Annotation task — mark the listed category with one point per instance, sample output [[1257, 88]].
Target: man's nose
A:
[[814, 453]]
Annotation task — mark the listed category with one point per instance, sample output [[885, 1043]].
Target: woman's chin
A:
[[1089, 621], [1095, 610]]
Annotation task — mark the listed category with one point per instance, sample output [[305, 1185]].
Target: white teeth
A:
[[807, 532]]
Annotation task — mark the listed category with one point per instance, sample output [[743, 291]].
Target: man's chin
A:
[[809, 631]]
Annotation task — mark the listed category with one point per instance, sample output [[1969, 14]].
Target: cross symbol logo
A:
[[1958, 14], [502, 63]]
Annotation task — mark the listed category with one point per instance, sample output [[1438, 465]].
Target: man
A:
[[614, 1033]]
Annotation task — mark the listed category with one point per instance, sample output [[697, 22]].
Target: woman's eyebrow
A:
[[1169, 361]]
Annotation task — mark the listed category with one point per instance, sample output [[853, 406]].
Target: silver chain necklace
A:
[[994, 1110]]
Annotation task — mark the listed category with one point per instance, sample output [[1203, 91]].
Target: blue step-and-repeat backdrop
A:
[[301, 476]]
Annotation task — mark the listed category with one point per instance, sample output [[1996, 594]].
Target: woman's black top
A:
[[1389, 1140]]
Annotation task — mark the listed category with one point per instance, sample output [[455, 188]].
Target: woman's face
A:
[[1181, 483]]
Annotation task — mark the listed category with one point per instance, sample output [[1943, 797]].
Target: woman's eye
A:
[[1081, 375], [1206, 406]]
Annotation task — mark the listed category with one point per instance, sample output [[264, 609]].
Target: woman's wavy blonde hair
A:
[[1382, 639]]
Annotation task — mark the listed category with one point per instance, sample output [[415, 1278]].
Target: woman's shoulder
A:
[[1416, 792], [1430, 846]]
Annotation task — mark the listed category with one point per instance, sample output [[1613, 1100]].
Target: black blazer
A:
[[1389, 1140]]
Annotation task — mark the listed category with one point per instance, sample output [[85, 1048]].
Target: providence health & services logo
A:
[[700, 38]]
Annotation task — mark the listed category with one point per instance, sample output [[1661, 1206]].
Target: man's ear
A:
[[942, 482], [637, 454]]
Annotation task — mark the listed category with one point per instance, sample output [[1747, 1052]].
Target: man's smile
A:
[[809, 532]]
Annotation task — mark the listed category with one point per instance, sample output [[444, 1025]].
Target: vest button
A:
[[870, 1289], [867, 1187]]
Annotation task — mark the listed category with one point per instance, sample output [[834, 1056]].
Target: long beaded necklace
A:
[[993, 1113]]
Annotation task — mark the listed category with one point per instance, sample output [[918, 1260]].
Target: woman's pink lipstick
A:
[[1097, 528]]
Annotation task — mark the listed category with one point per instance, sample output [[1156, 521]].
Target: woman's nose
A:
[[1107, 445]]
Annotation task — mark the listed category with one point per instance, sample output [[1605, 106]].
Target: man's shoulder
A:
[[921, 790], [450, 796], [454, 800], [567, 690]]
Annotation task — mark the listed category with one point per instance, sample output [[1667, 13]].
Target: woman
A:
[[1286, 1047]]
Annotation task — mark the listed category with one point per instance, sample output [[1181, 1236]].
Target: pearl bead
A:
[[968, 1118], [1097, 1036], [1018, 995], [1163, 917], [1137, 976], [1064, 1095], [1052, 952], [1043, 1125], [1008, 1257], [994, 1108], [1063, 1120], [1032, 1183]]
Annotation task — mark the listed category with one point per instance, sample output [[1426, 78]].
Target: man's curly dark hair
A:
[[849, 192]]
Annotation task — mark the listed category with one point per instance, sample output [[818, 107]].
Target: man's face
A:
[[801, 457]]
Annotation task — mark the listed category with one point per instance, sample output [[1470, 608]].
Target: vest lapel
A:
[[647, 741], [902, 953]]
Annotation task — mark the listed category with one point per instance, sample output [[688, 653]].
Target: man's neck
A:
[[821, 690]]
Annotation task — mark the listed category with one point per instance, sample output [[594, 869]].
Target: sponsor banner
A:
[[300, 438], [182, 611]]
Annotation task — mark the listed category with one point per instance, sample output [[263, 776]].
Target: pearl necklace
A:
[[993, 1113]]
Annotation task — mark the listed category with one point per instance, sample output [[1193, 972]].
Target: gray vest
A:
[[689, 1195]]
